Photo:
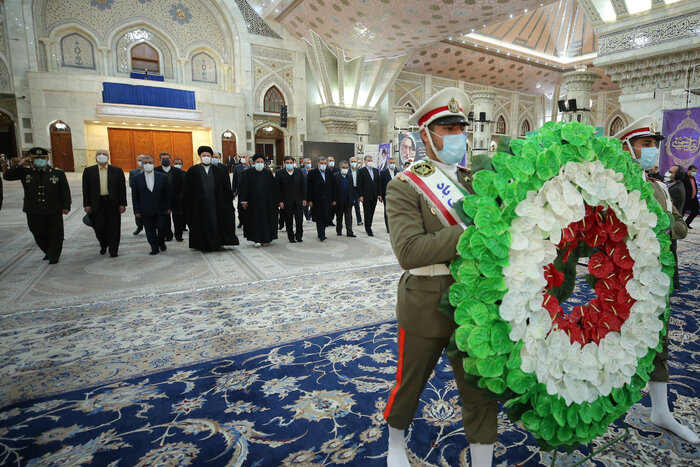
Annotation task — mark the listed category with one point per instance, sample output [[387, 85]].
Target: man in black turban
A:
[[208, 205]]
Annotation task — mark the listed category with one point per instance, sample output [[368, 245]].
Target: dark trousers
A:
[[693, 207], [281, 217], [107, 222], [343, 211], [368, 206], [156, 228], [48, 233], [307, 212], [241, 213], [294, 213], [357, 207], [139, 222], [386, 219], [676, 278], [178, 222], [321, 228]]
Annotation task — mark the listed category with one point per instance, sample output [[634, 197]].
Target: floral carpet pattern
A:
[[316, 401]]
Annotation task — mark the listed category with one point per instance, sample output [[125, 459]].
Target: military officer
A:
[[641, 139], [424, 245], [46, 200]]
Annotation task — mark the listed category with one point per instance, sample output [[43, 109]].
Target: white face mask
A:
[[370, 164], [178, 166], [331, 164], [206, 160], [321, 167], [140, 163], [148, 167], [215, 161], [668, 176], [102, 158], [244, 161], [259, 166], [344, 171]]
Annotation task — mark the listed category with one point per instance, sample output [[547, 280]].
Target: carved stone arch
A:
[[406, 99], [204, 65], [123, 39], [499, 123], [262, 87], [89, 59], [525, 126], [277, 126], [608, 130]]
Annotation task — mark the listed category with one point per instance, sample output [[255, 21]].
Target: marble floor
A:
[[91, 319]]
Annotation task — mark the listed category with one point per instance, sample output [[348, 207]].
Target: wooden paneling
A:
[[62, 151], [228, 148], [126, 144]]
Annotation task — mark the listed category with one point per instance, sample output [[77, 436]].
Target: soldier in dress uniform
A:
[[641, 140], [46, 200], [424, 247]]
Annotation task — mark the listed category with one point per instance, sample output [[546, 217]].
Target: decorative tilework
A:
[[180, 13], [201, 24], [253, 21], [5, 80], [273, 67], [648, 35], [77, 52], [204, 68]]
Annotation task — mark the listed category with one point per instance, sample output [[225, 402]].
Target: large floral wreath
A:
[[562, 195]]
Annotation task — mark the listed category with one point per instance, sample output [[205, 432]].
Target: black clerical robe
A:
[[259, 190], [208, 206]]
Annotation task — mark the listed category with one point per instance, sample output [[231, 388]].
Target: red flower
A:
[[554, 277], [600, 265], [552, 305]]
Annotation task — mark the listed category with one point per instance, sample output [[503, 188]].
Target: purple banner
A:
[[383, 154], [682, 144]]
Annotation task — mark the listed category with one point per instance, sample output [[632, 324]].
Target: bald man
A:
[[104, 200]]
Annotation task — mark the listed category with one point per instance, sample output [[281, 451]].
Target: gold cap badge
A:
[[453, 105]]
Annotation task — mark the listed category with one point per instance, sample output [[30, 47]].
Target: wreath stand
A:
[[595, 452]]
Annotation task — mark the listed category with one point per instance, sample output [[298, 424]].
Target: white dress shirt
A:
[[150, 180]]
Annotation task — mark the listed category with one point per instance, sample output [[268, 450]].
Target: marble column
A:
[[401, 115], [483, 102], [579, 85], [363, 130]]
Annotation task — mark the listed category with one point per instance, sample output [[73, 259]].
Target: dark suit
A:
[[292, 192], [385, 177], [132, 174], [319, 191], [153, 207], [238, 171], [357, 196], [104, 210], [307, 209], [370, 189], [344, 201], [677, 192], [691, 198], [46, 195], [176, 180]]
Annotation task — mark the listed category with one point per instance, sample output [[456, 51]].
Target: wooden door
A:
[[126, 144], [62, 151], [228, 148], [279, 152]]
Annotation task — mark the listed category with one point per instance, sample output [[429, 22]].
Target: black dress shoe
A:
[[291, 240], [370, 233], [45, 258], [154, 252], [322, 238], [299, 240], [340, 234], [179, 239], [103, 250], [114, 255], [163, 247], [168, 239], [53, 261], [137, 231], [359, 223], [352, 235]]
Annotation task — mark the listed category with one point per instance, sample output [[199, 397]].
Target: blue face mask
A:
[[650, 157], [454, 147], [392, 166], [289, 166], [40, 162], [308, 166]]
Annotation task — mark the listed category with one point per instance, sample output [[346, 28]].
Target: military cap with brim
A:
[[38, 152], [446, 107], [645, 126]]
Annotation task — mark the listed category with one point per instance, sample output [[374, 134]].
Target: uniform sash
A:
[[441, 193]]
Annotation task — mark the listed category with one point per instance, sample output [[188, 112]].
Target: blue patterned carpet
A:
[[315, 401]]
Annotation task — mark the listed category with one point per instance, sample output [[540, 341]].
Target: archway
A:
[[8, 141], [61, 146], [228, 147], [269, 141]]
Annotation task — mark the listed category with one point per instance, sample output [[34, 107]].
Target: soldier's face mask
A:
[[454, 147], [39, 162]]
